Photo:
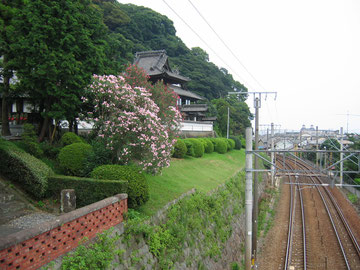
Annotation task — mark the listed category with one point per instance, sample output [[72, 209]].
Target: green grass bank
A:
[[204, 174]]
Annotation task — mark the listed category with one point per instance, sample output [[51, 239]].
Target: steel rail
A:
[[331, 218], [292, 217], [342, 217]]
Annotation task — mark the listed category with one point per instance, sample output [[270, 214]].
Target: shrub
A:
[[180, 149], [237, 142], [138, 189], [50, 151], [69, 138], [198, 147], [99, 156], [209, 146], [221, 146], [30, 141], [23, 168], [87, 190], [190, 147], [72, 158], [231, 143]]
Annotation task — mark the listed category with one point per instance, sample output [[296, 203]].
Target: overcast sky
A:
[[307, 51]]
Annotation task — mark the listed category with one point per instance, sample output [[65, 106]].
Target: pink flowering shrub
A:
[[129, 120]]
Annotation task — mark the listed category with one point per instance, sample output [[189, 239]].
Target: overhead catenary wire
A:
[[217, 55], [227, 47]]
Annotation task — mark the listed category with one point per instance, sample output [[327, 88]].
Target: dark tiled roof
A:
[[184, 93], [156, 64], [194, 108]]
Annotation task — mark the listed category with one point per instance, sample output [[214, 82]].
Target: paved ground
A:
[[16, 213]]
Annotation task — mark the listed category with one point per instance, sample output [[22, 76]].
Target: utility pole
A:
[[228, 123], [317, 147], [272, 155], [341, 156], [248, 198], [256, 178], [257, 105]]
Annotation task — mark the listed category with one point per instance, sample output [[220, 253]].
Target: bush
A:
[[190, 148], [99, 156], [231, 143], [72, 158], [30, 141], [180, 149], [237, 142], [209, 146], [50, 151], [18, 166], [198, 147], [221, 145], [87, 190], [69, 138], [138, 189]]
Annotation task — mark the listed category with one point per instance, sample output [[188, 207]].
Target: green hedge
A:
[[69, 138], [18, 166], [209, 146], [237, 142], [87, 190], [190, 147], [138, 188], [72, 158], [198, 147], [180, 149], [221, 145]]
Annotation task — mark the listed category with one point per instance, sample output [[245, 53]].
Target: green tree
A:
[[61, 44], [8, 10]]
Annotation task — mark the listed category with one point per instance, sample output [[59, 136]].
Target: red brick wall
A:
[[47, 246]]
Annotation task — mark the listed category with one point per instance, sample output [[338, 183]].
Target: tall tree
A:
[[61, 44], [8, 10]]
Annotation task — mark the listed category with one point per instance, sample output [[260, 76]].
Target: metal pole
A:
[[248, 199], [317, 147], [272, 154], [341, 156], [228, 123], [256, 177]]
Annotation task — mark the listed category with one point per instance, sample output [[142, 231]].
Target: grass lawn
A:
[[204, 174]]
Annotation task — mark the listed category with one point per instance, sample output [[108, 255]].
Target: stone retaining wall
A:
[[32, 248]]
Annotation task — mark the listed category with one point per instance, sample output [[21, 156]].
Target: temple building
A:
[[156, 65]]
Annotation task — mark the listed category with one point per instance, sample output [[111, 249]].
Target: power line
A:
[[223, 42], [249, 86]]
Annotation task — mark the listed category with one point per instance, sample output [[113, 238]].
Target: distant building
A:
[[195, 122]]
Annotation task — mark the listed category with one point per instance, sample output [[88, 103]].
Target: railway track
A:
[[339, 244]]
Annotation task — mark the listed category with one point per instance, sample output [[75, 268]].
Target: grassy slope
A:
[[204, 174]]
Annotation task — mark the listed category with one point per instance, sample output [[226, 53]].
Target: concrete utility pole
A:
[[341, 156], [317, 147], [272, 155], [257, 105], [256, 177], [248, 198], [228, 124]]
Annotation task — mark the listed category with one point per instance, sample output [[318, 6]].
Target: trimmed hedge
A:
[[209, 146], [180, 149], [87, 190], [190, 147], [72, 158], [138, 189], [69, 138], [221, 145], [231, 143], [237, 142], [18, 166], [198, 147]]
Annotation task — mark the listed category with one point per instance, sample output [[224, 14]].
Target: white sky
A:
[[307, 51]]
